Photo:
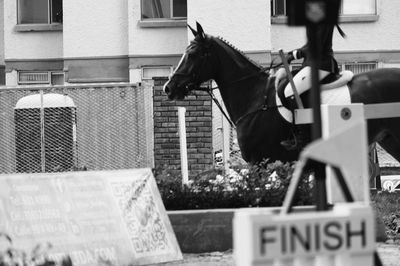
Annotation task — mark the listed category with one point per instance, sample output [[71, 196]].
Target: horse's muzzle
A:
[[177, 93], [168, 90]]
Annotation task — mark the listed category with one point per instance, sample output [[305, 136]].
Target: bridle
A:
[[195, 83], [194, 77]]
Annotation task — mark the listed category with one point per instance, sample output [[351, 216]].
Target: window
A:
[[278, 8], [348, 7], [39, 11], [44, 77], [351, 7], [359, 67], [164, 9], [150, 72]]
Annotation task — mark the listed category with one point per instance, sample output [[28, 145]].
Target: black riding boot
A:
[[298, 139]]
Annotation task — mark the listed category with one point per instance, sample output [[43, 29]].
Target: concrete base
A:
[[200, 231]]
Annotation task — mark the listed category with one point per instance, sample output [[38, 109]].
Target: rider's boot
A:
[[297, 141]]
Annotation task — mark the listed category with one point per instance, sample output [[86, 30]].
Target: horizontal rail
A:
[[381, 110], [80, 86], [303, 116], [371, 111]]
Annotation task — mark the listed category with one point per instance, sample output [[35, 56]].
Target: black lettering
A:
[[303, 240], [264, 239], [283, 240], [361, 233], [317, 237], [333, 234]]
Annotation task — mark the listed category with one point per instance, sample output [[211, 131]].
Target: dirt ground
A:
[[388, 253]]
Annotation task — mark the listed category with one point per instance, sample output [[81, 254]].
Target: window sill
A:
[[38, 27], [358, 18], [342, 19], [162, 23]]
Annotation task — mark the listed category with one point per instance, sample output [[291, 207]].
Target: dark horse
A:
[[249, 95]]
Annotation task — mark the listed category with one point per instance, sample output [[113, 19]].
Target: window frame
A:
[[49, 74], [171, 17], [282, 18], [49, 15], [357, 66], [162, 22], [143, 77]]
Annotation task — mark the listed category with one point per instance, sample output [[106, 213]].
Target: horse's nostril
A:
[[167, 90]]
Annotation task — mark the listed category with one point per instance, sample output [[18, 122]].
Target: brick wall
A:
[[198, 129]]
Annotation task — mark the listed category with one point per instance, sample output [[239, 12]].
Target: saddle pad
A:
[[337, 96]]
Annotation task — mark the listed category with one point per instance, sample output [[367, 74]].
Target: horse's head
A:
[[195, 66]]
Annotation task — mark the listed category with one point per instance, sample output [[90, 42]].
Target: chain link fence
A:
[[66, 128]]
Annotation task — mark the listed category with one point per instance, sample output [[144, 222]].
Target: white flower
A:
[[273, 176], [244, 172], [219, 178]]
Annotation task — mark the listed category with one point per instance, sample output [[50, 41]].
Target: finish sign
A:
[[262, 238]]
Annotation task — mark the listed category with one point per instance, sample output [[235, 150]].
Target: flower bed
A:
[[262, 185]]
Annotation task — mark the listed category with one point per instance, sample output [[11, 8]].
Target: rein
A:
[[264, 107], [195, 85]]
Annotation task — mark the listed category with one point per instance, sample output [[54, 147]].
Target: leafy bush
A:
[[387, 206], [262, 185], [38, 256]]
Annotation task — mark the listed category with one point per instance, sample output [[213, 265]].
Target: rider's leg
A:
[[302, 81]]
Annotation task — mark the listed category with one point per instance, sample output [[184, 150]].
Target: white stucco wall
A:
[[153, 41], [28, 45], [95, 28], [2, 32], [245, 24], [382, 34]]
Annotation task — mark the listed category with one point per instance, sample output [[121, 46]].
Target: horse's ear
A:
[[193, 31], [200, 30]]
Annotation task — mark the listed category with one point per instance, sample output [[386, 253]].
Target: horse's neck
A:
[[233, 66], [243, 97], [237, 79]]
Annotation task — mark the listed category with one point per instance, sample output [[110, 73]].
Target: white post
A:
[[338, 118], [226, 136], [183, 146]]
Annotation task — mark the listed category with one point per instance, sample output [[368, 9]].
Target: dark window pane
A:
[[280, 7], [32, 12], [56, 11], [180, 8], [156, 9]]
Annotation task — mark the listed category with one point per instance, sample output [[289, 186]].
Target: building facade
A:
[[63, 42], [115, 43]]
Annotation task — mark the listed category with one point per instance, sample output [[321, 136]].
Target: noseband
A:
[[194, 77]]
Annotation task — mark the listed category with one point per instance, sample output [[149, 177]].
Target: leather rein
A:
[[195, 85]]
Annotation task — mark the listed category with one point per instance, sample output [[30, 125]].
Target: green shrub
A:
[[387, 206], [262, 185], [38, 256]]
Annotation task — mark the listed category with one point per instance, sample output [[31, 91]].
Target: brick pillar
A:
[[198, 130]]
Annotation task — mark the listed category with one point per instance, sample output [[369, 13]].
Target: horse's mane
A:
[[239, 51]]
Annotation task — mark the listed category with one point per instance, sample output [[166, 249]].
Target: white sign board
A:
[[263, 238], [95, 216]]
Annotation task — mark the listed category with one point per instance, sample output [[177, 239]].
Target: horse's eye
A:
[[191, 55]]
